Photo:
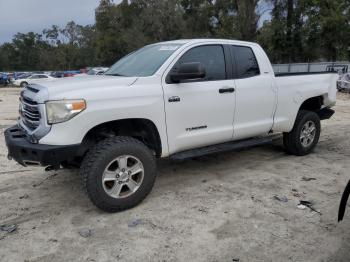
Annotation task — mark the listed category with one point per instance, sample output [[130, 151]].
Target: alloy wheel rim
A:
[[308, 133], [123, 176]]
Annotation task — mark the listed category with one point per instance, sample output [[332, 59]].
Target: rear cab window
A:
[[244, 62]]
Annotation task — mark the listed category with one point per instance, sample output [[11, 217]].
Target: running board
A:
[[224, 147]]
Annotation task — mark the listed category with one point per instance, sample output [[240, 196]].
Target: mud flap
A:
[[325, 113]]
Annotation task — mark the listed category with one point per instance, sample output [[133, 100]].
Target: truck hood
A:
[[63, 88]]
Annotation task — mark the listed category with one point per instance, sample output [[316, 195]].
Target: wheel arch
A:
[[314, 103], [285, 118], [141, 129]]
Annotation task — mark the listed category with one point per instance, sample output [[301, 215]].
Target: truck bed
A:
[[294, 88]]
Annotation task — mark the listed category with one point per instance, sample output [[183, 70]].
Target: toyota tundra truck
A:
[[179, 99]]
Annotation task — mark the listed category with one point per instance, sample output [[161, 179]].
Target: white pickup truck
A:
[[177, 99]]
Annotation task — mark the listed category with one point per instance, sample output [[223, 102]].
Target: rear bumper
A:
[[26, 153]]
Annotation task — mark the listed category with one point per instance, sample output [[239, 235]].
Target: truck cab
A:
[[175, 99]]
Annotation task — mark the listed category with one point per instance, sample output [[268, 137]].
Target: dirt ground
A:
[[215, 208]]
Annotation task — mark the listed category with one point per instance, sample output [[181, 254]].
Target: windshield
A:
[[144, 62]]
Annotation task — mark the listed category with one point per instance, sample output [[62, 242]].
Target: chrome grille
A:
[[29, 112]]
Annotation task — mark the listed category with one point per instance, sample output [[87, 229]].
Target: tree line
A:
[[296, 31]]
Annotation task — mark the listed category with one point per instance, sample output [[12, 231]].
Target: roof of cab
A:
[[206, 40]]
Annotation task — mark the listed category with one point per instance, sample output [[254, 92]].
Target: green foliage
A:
[[299, 31], [57, 49], [307, 30]]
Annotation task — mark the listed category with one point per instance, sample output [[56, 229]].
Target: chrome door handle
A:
[[174, 99]]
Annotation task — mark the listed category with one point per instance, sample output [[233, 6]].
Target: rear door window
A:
[[245, 62]]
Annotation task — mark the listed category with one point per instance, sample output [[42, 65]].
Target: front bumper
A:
[[26, 153]]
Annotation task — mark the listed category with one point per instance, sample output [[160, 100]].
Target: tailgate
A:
[[332, 90]]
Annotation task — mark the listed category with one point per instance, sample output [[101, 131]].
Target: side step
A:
[[224, 147]]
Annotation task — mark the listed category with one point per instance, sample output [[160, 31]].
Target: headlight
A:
[[63, 110]]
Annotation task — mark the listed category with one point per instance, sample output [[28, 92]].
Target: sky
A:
[[35, 15]]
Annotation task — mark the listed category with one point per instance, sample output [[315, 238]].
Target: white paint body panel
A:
[[256, 100], [259, 104], [108, 99], [200, 105], [294, 90]]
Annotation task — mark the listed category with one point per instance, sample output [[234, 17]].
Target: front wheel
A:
[[305, 134], [23, 84], [118, 173]]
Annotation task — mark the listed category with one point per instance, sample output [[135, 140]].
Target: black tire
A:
[[23, 84], [292, 141], [98, 158], [70, 165]]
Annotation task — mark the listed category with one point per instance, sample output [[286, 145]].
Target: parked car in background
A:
[[94, 71], [61, 74], [4, 79], [97, 71], [83, 70], [23, 75], [2, 82], [71, 73], [32, 79], [57, 74], [343, 84]]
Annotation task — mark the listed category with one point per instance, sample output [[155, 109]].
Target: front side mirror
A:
[[188, 71]]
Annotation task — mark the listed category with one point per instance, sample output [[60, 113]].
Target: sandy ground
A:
[[217, 208]]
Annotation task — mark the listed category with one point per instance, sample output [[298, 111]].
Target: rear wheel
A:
[[118, 173], [305, 134]]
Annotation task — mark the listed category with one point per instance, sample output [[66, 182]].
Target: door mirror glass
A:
[[188, 71]]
